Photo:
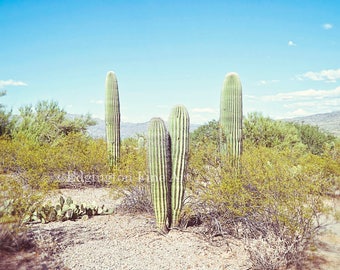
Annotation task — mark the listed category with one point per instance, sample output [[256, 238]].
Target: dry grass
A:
[[14, 238], [136, 199]]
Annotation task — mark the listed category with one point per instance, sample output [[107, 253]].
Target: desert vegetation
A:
[[269, 188]]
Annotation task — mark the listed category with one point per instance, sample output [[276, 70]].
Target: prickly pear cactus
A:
[[65, 210]]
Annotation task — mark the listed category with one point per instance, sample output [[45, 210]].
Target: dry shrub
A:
[[14, 237], [268, 252], [136, 199], [274, 201], [129, 179]]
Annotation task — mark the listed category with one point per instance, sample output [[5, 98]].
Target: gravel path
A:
[[127, 242], [122, 241]]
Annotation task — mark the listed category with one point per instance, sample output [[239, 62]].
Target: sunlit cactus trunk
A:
[[179, 124], [112, 118], [159, 170], [231, 117]]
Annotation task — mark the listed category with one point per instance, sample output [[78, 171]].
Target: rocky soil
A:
[[123, 241]]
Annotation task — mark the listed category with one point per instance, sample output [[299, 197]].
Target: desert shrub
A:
[[17, 199], [264, 131], [313, 138], [136, 199], [6, 154], [132, 167], [23, 185], [31, 169], [6, 119], [277, 194], [27, 162], [332, 153], [80, 159], [46, 122], [130, 178], [13, 237], [74, 158], [208, 133]]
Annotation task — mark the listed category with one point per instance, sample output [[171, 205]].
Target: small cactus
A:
[[65, 210]]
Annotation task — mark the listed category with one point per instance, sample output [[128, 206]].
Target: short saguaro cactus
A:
[[168, 156], [231, 117], [159, 170], [179, 124]]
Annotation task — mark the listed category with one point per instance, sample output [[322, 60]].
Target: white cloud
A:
[[200, 119], [97, 101], [305, 94], [203, 115], [328, 75], [203, 110], [162, 107], [297, 113], [100, 116], [327, 26], [291, 43], [266, 82], [300, 103], [11, 83]]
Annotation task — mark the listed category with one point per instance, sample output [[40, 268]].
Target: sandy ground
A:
[[131, 242], [328, 250]]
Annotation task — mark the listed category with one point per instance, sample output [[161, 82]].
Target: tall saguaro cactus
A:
[[231, 116], [112, 118], [179, 135], [159, 170]]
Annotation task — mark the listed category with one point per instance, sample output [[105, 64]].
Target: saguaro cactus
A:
[[141, 143], [112, 118], [179, 135], [231, 116], [159, 170]]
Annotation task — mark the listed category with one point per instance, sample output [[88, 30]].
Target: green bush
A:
[[263, 131], [277, 194], [130, 179], [79, 153], [46, 122], [131, 169], [313, 138]]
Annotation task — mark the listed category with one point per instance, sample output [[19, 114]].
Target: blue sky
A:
[[287, 54]]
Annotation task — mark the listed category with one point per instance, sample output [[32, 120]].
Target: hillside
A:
[[326, 121], [127, 129]]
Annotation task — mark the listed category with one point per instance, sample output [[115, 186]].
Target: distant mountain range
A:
[[327, 121], [126, 129]]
